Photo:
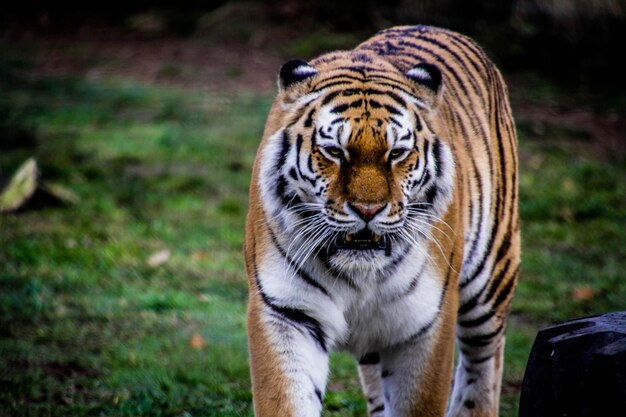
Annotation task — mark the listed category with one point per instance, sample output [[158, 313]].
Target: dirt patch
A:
[[66, 370], [61, 371], [187, 63], [581, 126]]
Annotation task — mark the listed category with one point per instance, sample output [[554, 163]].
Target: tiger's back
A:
[[383, 219]]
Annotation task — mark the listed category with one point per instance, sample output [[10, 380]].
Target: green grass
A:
[[88, 327]]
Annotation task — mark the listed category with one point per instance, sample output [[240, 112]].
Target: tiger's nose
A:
[[366, 211]]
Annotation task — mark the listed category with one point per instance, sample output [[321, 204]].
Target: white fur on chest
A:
[[378, 313], [392, 309]]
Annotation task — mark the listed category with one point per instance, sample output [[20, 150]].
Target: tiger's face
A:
[[357, 174]]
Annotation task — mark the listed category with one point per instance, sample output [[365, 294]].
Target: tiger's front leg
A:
[[411, 379], [289, 367]]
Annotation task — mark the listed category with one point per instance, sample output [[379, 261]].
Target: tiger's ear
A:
[[292, 73], [428, 78]]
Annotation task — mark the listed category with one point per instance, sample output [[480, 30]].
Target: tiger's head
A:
[[352, 171]]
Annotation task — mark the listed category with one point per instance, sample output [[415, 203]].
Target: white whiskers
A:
[[307, 235]]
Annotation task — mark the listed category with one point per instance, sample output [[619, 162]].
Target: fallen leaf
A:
[[584, 293], [159, 258], [60, 192], [197, 342], [21, 187]]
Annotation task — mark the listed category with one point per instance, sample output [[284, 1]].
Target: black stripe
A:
[[312, 326], [352, 92], [340, 108], [392, 83], [299, 140], [392, 110], [437, 157], [284, 150], [336, 79], [481, 339], [288, 199], [502, 190], [393, 120], [469, 305], [511, 135], [298, 316], [478, 361], [356, 103], [318, 394], [378, 409], [360, 69], [281, 190], [426, 153], [374, 104], [430, 194], [422, 330], [395, 87], [299, 272], [406, 137], [418, 122], [371, 358], [424, 179], [479, 320], [504, 294], [309, 119], [383, 77], [389, 94], [495, 281], [321, 87], [504, 247]]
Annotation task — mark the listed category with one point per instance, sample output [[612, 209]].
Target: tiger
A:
[[383, 222]]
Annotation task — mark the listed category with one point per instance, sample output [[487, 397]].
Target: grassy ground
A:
[[91, 323]]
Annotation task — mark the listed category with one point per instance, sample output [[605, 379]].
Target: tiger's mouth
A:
[[363, 240]]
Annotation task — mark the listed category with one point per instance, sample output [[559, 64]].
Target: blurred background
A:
[[127, 135]]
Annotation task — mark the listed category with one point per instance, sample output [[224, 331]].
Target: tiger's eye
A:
[[396, 154], [334, 151]]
